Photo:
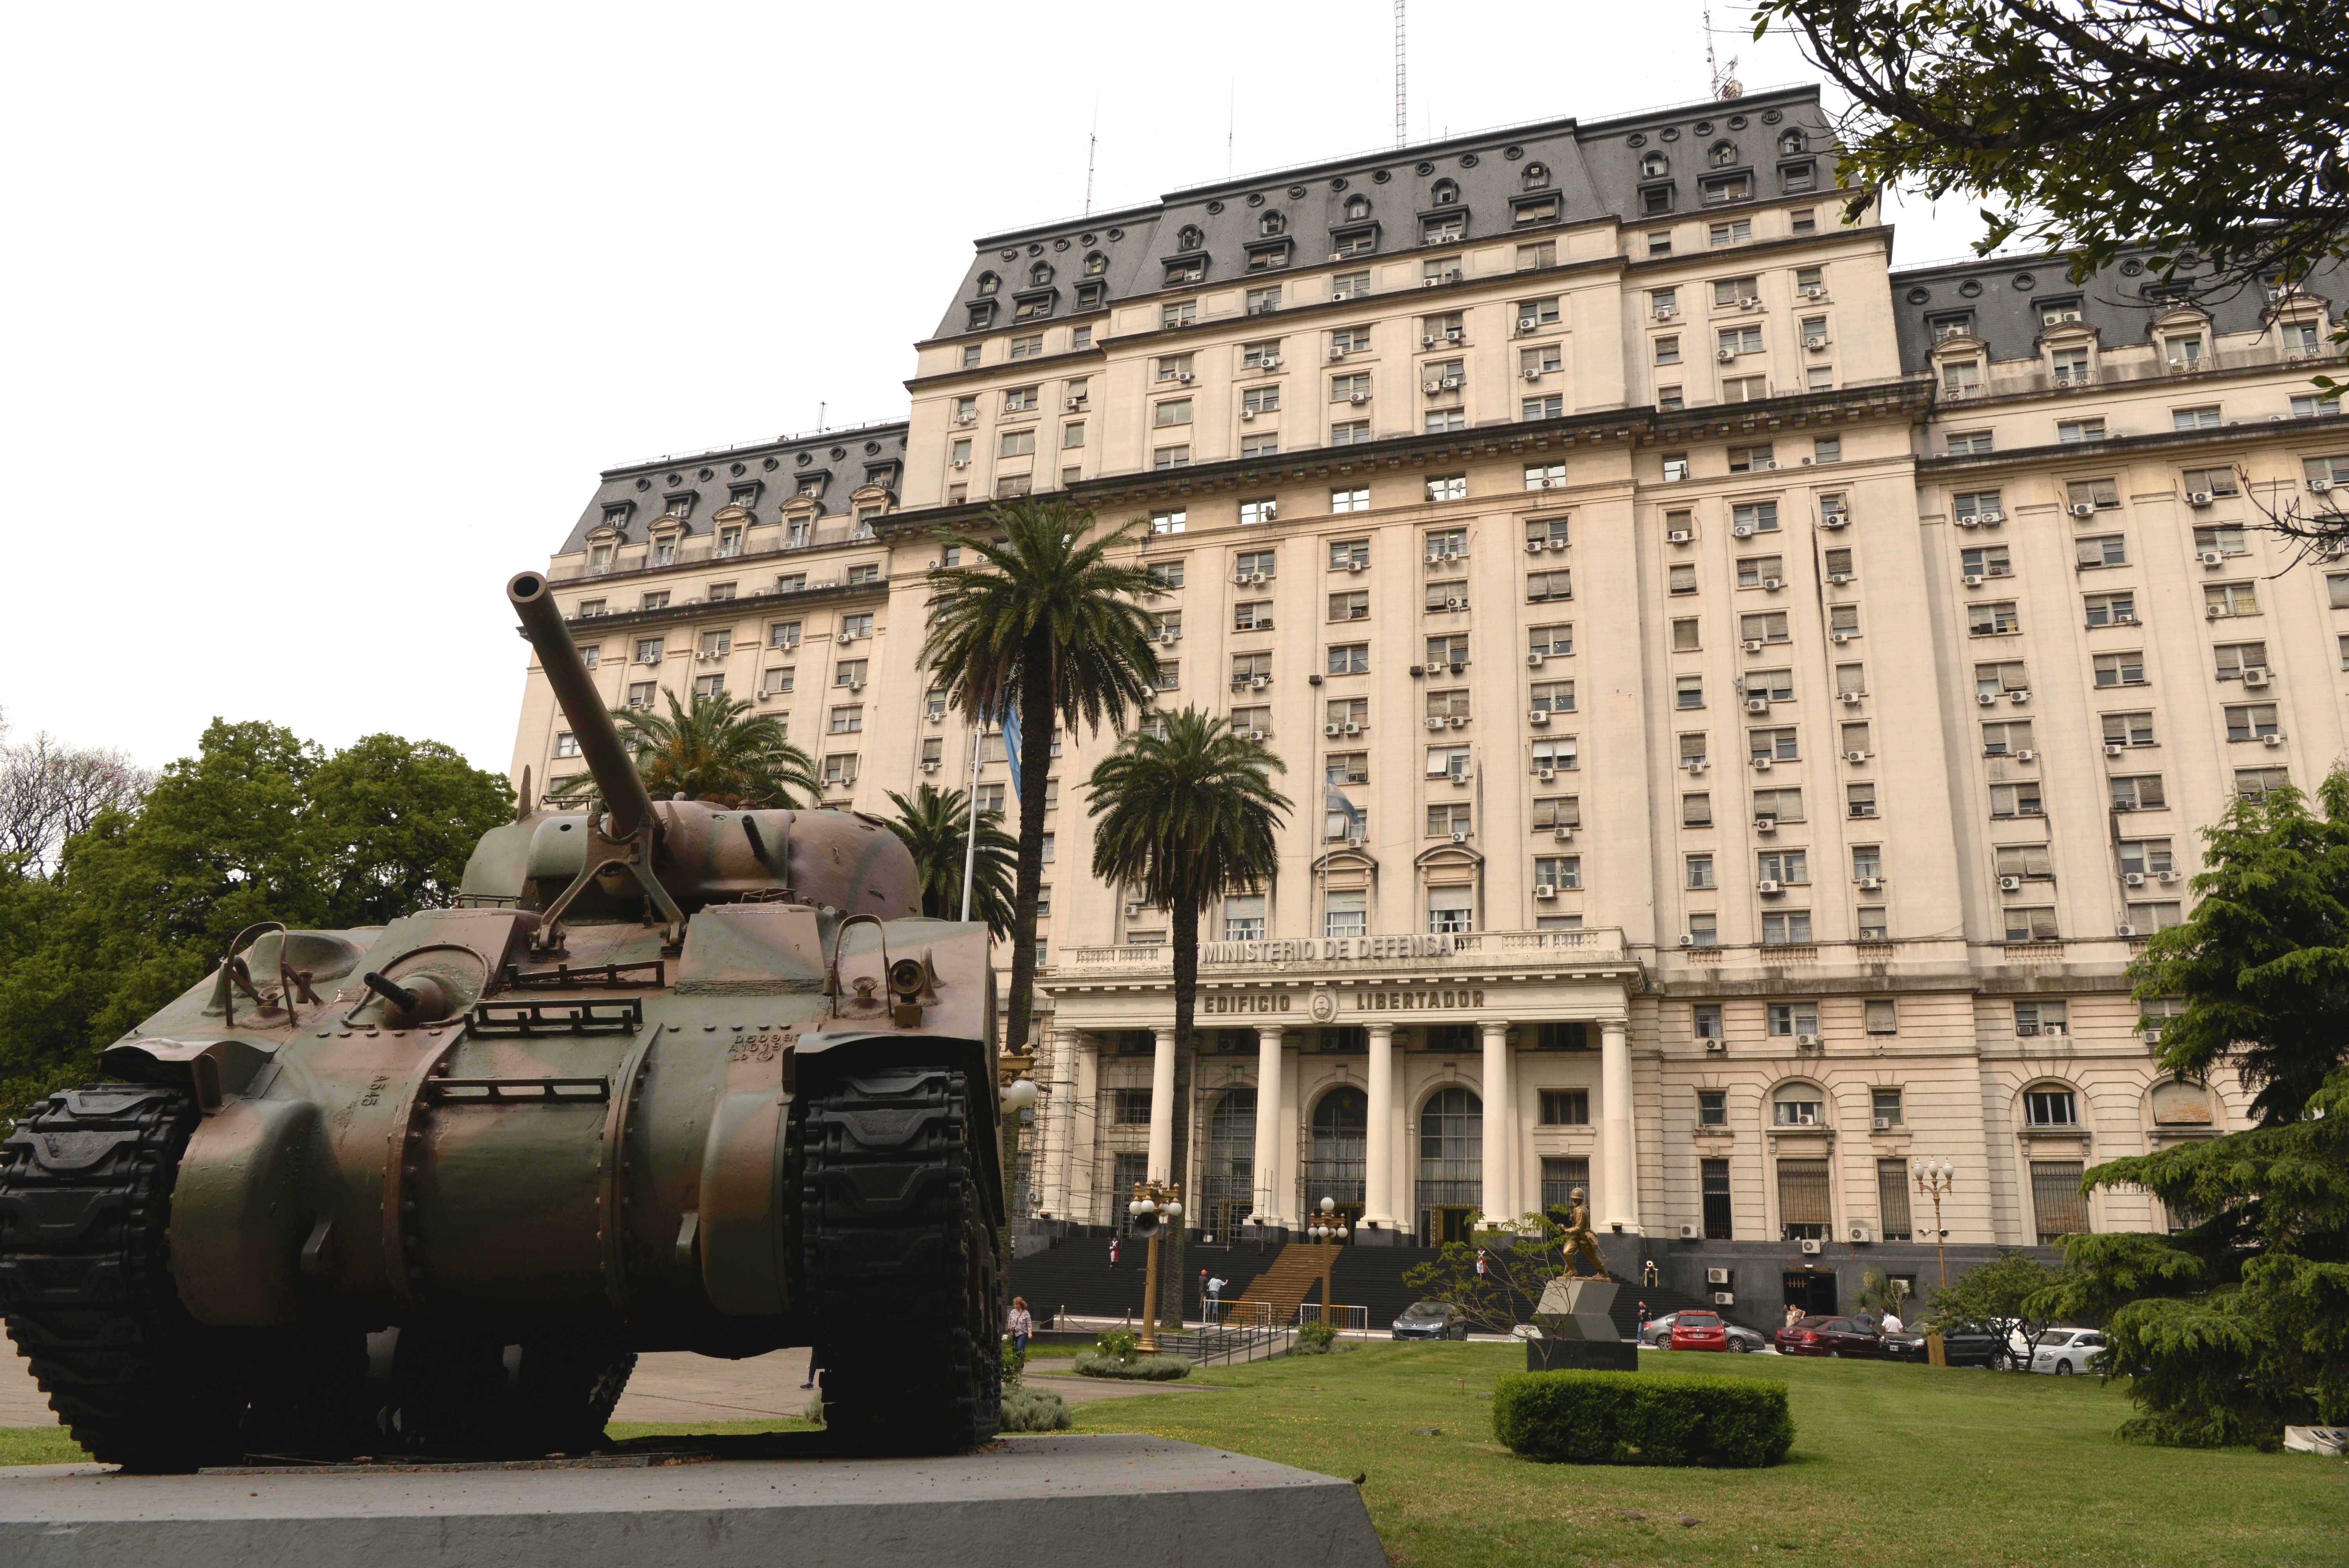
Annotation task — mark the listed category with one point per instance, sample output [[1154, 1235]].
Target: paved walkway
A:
[[674, 1385]]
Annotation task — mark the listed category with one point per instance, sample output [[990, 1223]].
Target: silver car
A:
[[2064, 1351]]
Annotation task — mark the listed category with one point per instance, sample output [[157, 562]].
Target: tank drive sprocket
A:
[[905, 1303], [85, 1280]]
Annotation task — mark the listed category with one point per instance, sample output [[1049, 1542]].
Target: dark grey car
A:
[[1431, 1320]]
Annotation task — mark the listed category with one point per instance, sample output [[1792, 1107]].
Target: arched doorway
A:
[[1228, 1180], [1451, 1164], [1333, 1165]]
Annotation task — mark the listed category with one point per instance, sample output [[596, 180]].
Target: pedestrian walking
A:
[[1215, 1297], [1794, 1314], [1113, 1252], [1482, 1268], [1890, 1322], [1021, 1325]]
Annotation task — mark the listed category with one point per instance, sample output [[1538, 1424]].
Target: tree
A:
[[1519, 1264], [715, 750], [2213, 127], [49, 792], [2239, 1324], [2005, 1295], [391, 823], [1186, 814], [258, 825], [934, 826], [1044, 623]]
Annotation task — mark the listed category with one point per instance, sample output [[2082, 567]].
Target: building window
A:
[[1892, 1195], [1805, 1210], [1564, 1108], [1714, 1174], [1355, 498], [1451, 910], [2057, 1201]]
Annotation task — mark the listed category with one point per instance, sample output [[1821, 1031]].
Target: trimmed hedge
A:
[[1150, 1368], [1641, 1419], [1034, 1411]]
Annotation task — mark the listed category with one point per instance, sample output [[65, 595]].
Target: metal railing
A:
[[1346, 1317], [1224, 1343]]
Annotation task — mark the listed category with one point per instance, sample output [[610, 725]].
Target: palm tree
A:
[[935, 825], [715, 750], [1187, 814], [1043, 623]]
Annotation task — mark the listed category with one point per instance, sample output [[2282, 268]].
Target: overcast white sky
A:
[[321, 319]]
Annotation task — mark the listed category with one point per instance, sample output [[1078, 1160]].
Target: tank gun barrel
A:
[[574, 691]]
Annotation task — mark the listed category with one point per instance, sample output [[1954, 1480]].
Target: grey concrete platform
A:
[[1032, 1499]]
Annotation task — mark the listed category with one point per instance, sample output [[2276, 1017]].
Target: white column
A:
[[1617, 1200], [1378, 1140], [1060, 1124], [1084, 1137], [1267, 1127], [1288, 1175], [1499, 1202], [1161, 1109]]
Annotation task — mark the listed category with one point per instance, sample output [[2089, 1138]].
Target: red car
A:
[[1837, 1337], [1699, 1331]]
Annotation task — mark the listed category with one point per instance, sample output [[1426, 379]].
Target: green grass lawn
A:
[[1950, 1465], [1976, 1469]]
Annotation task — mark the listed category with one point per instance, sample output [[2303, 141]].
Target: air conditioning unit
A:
[[1693, 764], [1762, 765], [1433, 722], [2010, 884], [1812, 1247], [1806, 1042], [1527, 324], [1972, 579], [2026, 755], [1535, 661], [2271, 740], [1545, 775], [1969, 520], [1765, 824], [1269, 362], [1563, 835], [1533, 547], [2168, 876], [938, 718], [2082, 508], [1992, 519], [1247, 415], [1766, 886], [1353, 729], [1543, 890], [1688, 1233], [2133, 879], [1688, 942], [1772, 584], [1357, 566], [1539, 715], [1986, 697], [1852, 699], [2111, 749], [1532, 374], [1771, 464], [845, 638], [1871, 884], [2319, 486], [1183, 376], [1855, 757], [2152, 1036], [1753, 644], [1459, 721], [1666, 312], [1814, 342], [1428, 341], [2213, 612], [1460, 838], [2056, 1030], [1750, 301], [1861, 1234], [2124, 618], [1740, 531], [1834, 520], [1257, 683], [966, 419], [1757, 704], [1679, 536], [1455, 604], [2019, 696], [1168, 635], [2255, 678], [1358, 398], [1724, 354], [1839, 638], [1259, 735], [1336, 354], [929, 765], [1331, 730]]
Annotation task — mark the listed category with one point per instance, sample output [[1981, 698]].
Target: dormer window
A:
[[988, 283], [1272, 223], [1357, 208], [1442, 229], [2056, 312], [1792, 143], [1954, 324], [1446, 193], [1655, 166], [1189, 238], [1724, 155], [744, 495], [1096, 264], [616, 515], [680, 505], [1039, 274], [982, 316], [1189, 271], [2183, 350], [1537, 177]]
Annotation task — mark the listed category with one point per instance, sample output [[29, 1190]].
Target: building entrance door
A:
[[1447, 1222], [1813, 1290]]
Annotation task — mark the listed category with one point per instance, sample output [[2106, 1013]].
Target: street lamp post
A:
[[1152, 1202], [1329, 1229], [1933, 1181]]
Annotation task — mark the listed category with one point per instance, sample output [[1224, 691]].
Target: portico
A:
[[1411, 1079]]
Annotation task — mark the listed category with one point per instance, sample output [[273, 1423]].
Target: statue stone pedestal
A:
[[1577, 1334]]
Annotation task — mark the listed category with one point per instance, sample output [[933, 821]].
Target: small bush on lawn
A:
[[1117, 1344], [1150, 1368], [1636, 1419], [1034, 1411], [1315, 1338]]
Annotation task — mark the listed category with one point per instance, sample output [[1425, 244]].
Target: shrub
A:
[[1630, 1417], [1117, 1344], [1015, 1365], [1315, 1338], [1150, 1368], [1034, 1411]]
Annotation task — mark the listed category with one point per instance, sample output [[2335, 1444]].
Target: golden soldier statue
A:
[[1580, 1242]]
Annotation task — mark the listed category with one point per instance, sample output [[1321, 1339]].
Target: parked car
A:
[[1699, 1331], [1963, 1345], [1657, 1332], [1432, 1320], [2064, 1351], [1836, 1337]]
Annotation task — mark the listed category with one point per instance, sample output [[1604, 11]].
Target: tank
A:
[[670, 1076]]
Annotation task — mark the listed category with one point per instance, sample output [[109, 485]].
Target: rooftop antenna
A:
[[1725, 85], [819, 414], [1231, 116], [1403, 118], [1093, 142]]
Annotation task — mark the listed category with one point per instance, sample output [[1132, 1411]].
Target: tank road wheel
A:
[[85, 1281], [901, 1280]]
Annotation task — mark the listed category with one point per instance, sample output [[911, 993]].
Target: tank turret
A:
[[672, 1075]]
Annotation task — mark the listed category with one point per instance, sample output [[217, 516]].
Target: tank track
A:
[[901, 1278], [85, 1280]]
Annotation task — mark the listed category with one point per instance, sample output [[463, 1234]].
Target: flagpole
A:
[[970, 845]]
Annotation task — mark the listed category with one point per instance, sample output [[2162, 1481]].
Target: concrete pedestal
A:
[[1039, 1499], [1581, 1355]]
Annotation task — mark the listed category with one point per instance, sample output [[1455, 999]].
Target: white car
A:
[[2064, 1351]]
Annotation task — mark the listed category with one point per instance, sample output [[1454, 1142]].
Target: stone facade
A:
[[1746, 707]]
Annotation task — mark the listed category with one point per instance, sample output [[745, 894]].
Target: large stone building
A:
[[1746, 707]]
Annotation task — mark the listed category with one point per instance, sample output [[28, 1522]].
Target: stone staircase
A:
[[1294, 1274]]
